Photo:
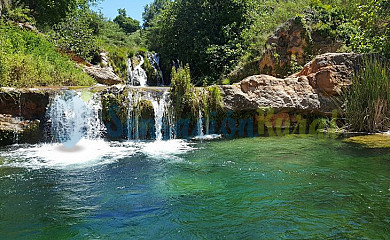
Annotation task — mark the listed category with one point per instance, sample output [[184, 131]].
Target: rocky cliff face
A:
[[293, 44], [330, 72], [25, 103], [310, 92]]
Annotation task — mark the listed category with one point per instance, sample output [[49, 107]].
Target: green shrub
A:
[[28, 59], [18, 14], [183, 94], [368, 99], [75, 35], [213, 101], [128, 24], [373, 21]]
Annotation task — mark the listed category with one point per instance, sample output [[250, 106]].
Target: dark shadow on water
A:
[[75, 149]]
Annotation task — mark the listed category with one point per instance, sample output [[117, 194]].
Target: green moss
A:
[[110, 100], [372, 141], [144, 109]]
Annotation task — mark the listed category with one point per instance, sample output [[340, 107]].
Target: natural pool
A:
[[261, 188]]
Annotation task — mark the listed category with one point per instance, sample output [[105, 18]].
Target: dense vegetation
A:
[[205, 39], [28, 59], [214, 37], [368, 99], [65, 30]]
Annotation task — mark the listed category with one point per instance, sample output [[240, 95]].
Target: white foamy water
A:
[[208, 137], [166, 149], [88, 153]]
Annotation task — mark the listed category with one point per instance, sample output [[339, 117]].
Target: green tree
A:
[[152, 10], [3, 5], [49, 12], [128, 24], [203, 33], [373, 21], [75, 35]]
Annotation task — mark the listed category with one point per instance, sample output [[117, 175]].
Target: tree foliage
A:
[[75, 34], [152, 10], [48, 12], [128, 24], [373, 21], [202, 33]]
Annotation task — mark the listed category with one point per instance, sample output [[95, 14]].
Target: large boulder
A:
[[329, 73], [283, 95], [104, 75], [312, 91]]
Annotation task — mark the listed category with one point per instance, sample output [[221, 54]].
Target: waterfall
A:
[[94, 117], [155, 61], [207, 124], [133, 115], [137, 76], [18, 119], [72, 119], [200, 134], [159, 110], [200, 123], [130, 72]]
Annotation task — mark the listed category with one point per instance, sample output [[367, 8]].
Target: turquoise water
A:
[[261, 188]]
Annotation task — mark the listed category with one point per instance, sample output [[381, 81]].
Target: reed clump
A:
[[367, 101]]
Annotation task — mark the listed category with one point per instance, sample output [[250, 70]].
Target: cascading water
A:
[[200, 124], [18, 119], [133, 115], [155, 61], [159, 110], [201, 135], [207, 124], [137, 75], [130, 72], [72, 119], [95, 124], [75, 120]]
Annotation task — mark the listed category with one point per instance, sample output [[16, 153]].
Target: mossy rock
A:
[[115, 101], [146, 110], [371, 141], [27, 132]]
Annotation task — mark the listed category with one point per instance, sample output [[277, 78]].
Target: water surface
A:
[[261, 188]]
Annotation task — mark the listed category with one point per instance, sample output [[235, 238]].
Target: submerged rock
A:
[[371, 141]]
